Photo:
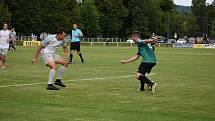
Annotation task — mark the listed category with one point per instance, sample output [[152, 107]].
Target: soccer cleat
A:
[[149, 87], [3, 67], [142, 89], [82, 61], [52, 87], [153, 87], [59, 83]]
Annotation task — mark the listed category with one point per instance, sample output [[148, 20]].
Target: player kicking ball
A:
[[47, 50], [149, 61]]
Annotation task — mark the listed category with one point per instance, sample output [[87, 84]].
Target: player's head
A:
[[13, 29], [5, 26], [61, 33], [136, 36], [75, 26]]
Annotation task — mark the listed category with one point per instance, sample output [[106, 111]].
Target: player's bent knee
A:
[[52, 66], [65, 64]]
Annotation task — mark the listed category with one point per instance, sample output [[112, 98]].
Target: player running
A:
[[12, 41], [4, 45], [47, 50], [148, 62]]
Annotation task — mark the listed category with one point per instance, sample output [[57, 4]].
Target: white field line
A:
[[96, 78]]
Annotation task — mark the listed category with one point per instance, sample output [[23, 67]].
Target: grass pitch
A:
[[102, 89]]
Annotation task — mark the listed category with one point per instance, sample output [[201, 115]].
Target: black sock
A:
[[82, 60], [142, 85], [71, 56], [144, 79], [13, 47]]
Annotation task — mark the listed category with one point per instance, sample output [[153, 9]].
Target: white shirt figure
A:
[[51, 44], [4, 39], [13, 35]]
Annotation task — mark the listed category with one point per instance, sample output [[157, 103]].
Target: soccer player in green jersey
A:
[[149, 60]]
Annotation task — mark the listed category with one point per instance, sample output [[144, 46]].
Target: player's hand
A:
[[34, 60], [76, 36], [123, 61]]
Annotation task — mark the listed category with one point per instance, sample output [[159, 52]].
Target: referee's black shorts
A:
[[75, 46], [145, 68]]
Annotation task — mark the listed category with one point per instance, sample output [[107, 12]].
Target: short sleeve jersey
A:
[[75, 35], [51, 44], [4, 39], [13, 34], [146, 52]]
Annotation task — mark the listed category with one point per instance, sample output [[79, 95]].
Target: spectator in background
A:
[[107, 42], [153, 43]]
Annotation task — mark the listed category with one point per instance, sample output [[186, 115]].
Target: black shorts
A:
[[10, 42], [145, 68], [75, 46]]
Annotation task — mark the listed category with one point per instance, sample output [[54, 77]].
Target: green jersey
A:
[[146, 52]]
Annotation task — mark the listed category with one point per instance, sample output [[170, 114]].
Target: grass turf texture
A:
[[185, 92]]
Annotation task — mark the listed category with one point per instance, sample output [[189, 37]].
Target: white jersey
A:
[[13, 34], [4, 39], [51, 44]]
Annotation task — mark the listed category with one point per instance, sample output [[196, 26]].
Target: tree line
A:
[[109, 18]]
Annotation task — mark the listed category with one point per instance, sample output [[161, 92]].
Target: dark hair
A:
[[4, 23], [136, 32], [61, 30]]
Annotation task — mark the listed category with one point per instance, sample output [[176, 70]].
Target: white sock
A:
[[51, 76], [61, 71]]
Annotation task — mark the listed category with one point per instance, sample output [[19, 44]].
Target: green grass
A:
[[185, 92]]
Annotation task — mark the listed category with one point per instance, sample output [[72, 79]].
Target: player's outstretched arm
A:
[[151, 40], [39, 48], [131, 59]]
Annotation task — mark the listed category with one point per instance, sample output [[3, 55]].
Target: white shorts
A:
[[3, 52], [47, 57]]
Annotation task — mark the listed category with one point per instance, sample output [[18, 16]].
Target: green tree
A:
[[177, 24], [191, 28], [37, 16], [139, 20], [212, 31], [199, 10], [113, 13], [90, 19], [167, 7], [210, 19], [4, 12]]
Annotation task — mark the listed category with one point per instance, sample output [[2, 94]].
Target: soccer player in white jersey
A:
[[4, 44], [47, 50], [12, 41]]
